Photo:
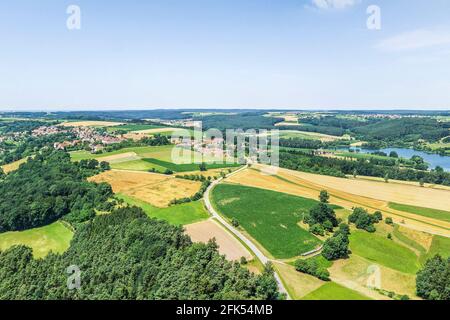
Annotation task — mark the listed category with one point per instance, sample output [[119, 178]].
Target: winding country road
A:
[[238, 234]]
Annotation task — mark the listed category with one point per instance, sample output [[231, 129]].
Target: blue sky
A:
[[304, 54]]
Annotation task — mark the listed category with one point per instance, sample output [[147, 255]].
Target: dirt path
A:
[[238, 234]]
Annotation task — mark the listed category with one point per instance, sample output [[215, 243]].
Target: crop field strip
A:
[[390, 275], [271, 218], [293, 184], [156, 189], [182, 214], [157, 158]]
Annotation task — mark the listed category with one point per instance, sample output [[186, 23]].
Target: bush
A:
[[328, 226], [317, 229], [363, 220], [389, 221], [311, 267]]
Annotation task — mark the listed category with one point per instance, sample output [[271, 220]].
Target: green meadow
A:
[[440, 245], [55, 238], [271, 218], [425, 212], [182, 214], [383, 251], [133, 127], [334, 291], [158, 158]]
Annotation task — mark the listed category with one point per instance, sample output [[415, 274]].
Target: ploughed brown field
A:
[[228, 245]]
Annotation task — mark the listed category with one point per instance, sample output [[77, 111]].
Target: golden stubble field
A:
[[7, 168], [155, 189], [90, 124], [350, 193], [228, 245]]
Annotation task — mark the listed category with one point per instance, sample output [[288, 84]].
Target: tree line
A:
[[308, 162]]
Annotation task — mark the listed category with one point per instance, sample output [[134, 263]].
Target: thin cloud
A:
[[334, 4], [414, 40]]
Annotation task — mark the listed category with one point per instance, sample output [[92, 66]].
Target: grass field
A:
[[334, 291], [156, 189], [147, 158], [55, 237], [348, 193], [271, 218], [439, 245], [383, 251], [287, 134], [182, 214], [133, 127], [426, 212], [296, 283], [355, 272], [403, 238]]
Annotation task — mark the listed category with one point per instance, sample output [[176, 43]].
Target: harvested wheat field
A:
[[118, 158], [90, 124], [7, 168], [405, 194], [350, 193], [228, 245], [155, 189]]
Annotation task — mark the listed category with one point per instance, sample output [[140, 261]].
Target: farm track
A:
[[254, 249]]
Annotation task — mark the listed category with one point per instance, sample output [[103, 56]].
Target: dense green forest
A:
[[20, 126], [395, 131], [127, 256], [49, 187], [244, 121], [307, 162]]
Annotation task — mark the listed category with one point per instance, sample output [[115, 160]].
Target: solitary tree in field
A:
[[421, 182], [386, 178], [324, 196]]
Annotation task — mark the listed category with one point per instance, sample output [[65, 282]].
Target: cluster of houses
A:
[[213, 147], [45, 131], [96, 140]]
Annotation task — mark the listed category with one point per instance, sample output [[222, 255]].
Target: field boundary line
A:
[[264, 260]]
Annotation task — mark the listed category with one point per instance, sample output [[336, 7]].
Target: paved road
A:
[[238, 234]]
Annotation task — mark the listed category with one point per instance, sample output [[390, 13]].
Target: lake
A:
[[433, 160]]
